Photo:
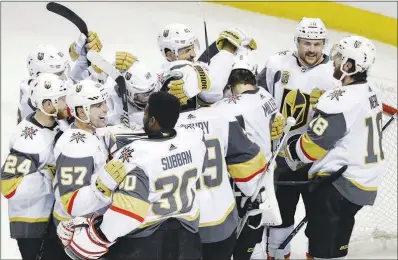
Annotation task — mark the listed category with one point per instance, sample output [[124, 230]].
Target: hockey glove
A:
[[92, 42], [277, 127], [235, 37], [110, 176], [65, 231], [315, 95], [124, 60], [176, 88], [88, 241]]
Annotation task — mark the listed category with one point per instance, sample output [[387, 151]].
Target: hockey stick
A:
[[305, 219], [104, 65], [39, 254], [206, 40], [290, 121], [69, 15]]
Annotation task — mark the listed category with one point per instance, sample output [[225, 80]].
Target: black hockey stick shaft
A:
[[123, 92], [389, 122], [69, 15]]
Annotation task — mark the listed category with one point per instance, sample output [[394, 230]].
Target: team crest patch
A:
[[165, 33], [128, 76], [40, 56], [285, 77], [47, 84], [357, 44], [336, 94], [125, 155], [78, 88], [233, 98], [29, 132], [78, 137]]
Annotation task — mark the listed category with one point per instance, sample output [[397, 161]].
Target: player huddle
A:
[[192, 175]]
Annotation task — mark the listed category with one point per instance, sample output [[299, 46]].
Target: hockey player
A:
[[179, 46], [255, 110], [80, 153], [43, 59], [29, 169], [296, 80], [140, 84], [346, 130], [48, 59], [231, 154], [155, 210]]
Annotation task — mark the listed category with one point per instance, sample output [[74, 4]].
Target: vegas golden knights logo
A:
[[296, 104], [285, 77]]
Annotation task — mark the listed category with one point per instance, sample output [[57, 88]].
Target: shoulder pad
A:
[[337, 100], [76, 143], [30, 138]]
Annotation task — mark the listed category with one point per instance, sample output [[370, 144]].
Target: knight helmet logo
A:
[[296, 104], [47, 84]]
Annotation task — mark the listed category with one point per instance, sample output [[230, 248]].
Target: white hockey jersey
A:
[[347, 130], [26, 178], [291, 84], [230, 153], [254, 110], [79, 154], [115, 106], [159, 185]]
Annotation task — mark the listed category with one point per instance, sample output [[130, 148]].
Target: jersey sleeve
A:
[[269, 76], [245, 160], [219, 71], [76, 181], [129, 207], [323, 132], [22, 175]]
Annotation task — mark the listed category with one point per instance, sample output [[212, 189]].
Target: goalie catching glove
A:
[[236, 38], [82, 238]]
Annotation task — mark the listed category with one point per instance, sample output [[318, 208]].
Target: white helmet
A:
[[311, 29], [47, 59], [244, 60], [84, 94], [47, 86], [174, 37], [140, 83], [357, 48]]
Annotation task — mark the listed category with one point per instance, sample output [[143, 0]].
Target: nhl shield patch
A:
[[285, 77]]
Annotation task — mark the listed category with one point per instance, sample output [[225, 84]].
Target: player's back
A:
[[230, 153], [353, 115], [254, 110], [161, 179]]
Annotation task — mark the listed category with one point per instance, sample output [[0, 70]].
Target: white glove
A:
[[65, 231], [85, 242]]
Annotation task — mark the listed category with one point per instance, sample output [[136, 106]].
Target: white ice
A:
[[134, 27]]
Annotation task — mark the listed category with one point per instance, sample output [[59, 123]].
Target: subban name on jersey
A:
[[176, 160]]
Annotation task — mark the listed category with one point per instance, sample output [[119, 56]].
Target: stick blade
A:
[[69, 15]]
